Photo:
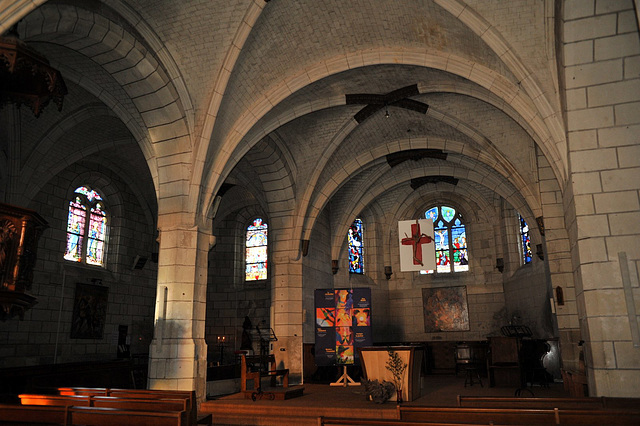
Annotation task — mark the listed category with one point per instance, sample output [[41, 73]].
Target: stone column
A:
[[286, 305], [178, 352], [602, 91]]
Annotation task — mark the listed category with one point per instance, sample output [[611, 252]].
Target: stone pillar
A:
[[558, 257], [602, 92], [287, 318], [178, 352]]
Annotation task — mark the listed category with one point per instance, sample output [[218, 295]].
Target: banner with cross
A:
[[417, 246]]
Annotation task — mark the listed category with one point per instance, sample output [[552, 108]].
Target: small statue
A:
[[246, 344]]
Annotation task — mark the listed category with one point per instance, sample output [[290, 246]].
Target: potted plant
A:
[[378, 392], [397, 367]]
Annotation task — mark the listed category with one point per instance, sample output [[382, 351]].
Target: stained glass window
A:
[[451, 240], [86, 228], [256, 251], [356, 260], [525, 242]]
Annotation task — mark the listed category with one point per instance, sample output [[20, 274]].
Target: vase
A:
[[399, 397]]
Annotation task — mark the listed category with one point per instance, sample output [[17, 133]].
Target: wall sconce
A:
[[334, 266], [388, 272], [559, 296], [500, 264], [539, 251]]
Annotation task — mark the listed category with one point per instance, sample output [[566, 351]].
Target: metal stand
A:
[[345, 380]]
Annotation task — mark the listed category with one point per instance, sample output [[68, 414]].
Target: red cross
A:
[[416, 240]]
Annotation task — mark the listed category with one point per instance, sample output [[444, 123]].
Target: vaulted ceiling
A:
[[185, 96]]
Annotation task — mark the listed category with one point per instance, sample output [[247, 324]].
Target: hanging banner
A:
[[342, 324], [417, 247]]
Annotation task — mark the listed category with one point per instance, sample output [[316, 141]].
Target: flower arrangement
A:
[[397, 367]]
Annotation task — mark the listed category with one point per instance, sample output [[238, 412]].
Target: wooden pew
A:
[[514, 416], [31, 415], [101, 416], [190, 396], [343, 421], [497, 416], [165, 404], [515, 402], [96, 416], [254, 367], [585, 403]]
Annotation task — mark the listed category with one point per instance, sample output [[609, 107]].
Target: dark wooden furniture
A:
[[96, 416], [31, 415], [374, 361], [587, 403], [469, 363], [575, 382], [20, 230], [518, 416], [152, 394], [343, 421], [255, 367], [503, 362]]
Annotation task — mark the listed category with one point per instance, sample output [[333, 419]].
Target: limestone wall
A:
[[601, 75], [131, 292]]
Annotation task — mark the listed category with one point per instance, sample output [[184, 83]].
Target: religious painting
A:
[[417, 247], [343, 324], [89, 311], [445, 309]]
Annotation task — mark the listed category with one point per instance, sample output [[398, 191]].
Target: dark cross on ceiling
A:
[[374, 103]]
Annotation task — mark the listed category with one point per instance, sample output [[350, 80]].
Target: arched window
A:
[[356, 247], [256, 251], [86, 228], [525, 241], [451, 240]]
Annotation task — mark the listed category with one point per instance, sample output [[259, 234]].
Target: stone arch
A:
[[484, 77], [355, 165], [381, 185], [148, 83]]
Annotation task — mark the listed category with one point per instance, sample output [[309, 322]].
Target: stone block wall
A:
[[43, 337], [601, 59], [229, 297]]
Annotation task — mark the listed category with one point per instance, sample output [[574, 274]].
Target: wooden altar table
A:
[[374, 360]]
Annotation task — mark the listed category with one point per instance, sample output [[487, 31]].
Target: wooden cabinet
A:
[[503, 363]]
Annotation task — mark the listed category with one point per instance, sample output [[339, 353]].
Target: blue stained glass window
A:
[[451, 240], [356, 247], [86, 236], [525, 242], [256, 251]]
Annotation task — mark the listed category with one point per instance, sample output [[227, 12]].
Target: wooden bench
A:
[[150, 394], [343, 421], [164, 404], [515, 416], [585, 403], [101, 416], [47, 415], [514, 402], [255, 367], [96, 416]]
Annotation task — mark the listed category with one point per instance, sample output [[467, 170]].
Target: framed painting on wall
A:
[[89, 311], [445, 309]]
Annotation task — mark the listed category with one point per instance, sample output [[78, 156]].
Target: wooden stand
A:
[[345, 380]]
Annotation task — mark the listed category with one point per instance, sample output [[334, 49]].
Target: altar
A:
[[374, 360]]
